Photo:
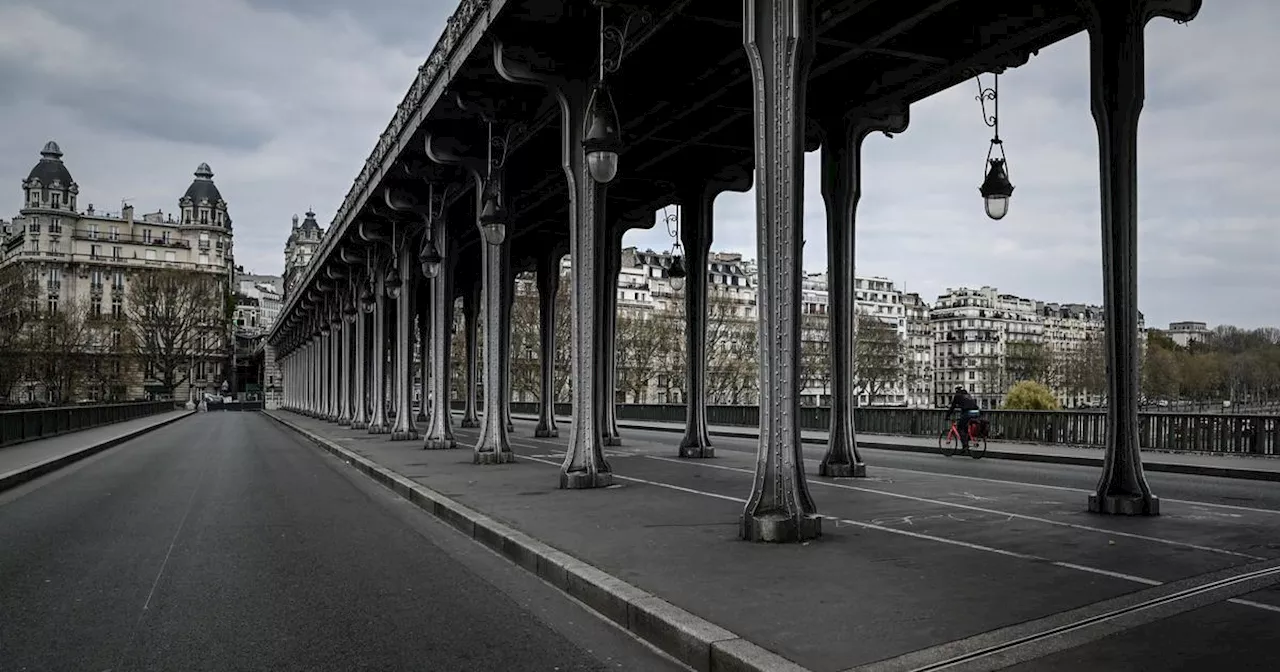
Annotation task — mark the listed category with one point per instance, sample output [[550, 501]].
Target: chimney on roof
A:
[[126, 213]]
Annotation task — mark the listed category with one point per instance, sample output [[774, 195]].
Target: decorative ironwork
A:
[[619, 37]]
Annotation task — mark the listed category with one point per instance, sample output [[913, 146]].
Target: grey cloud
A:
[[287, 111]]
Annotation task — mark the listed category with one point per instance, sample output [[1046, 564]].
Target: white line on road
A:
[[1037, 519], [918, 535], [1007, 482]]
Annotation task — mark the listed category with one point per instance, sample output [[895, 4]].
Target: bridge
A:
[[539, 129]]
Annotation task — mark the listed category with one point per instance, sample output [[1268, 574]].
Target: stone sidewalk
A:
[[910, 571], [1242, 466], [25, 461]]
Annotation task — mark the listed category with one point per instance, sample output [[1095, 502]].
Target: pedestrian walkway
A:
[[55, 451], [1229, 466], [911, 570]]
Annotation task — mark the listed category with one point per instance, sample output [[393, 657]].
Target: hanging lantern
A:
[[430, 259], [392, 283], [493, 217], [367, 300], [996, 189], [601, 140], [676, 273]]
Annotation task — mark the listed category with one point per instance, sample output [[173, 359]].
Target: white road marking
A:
[[926, 537], [937, 502]]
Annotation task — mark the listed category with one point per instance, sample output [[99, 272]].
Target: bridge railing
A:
[[1195, 432], [29, 424]]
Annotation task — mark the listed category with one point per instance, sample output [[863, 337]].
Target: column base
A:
[[494, 457], [359, 424], [432, 443], [697, 451], [469, 423], [582, 480], [344, 422], [378, 429], [404, 435], [779, 528], [611, 440], [833, 470], [422, 417], [542, 432], [1124, 505], [511, 427]]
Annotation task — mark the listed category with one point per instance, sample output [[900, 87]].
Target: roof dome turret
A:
[[202, 187], [51, 167]]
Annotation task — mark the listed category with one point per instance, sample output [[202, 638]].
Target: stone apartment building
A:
[[87, 257], [304, 239], [974, 331]]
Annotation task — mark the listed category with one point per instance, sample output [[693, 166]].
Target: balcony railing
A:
[[130, 238]]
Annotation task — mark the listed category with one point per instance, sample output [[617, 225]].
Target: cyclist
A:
[[968, 408]]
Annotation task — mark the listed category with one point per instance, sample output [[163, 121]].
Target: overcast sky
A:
[[285, 98]]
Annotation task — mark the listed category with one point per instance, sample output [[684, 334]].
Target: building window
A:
[[94, 252], [204, 216], [34, 225], [115, 233], [204, 259], [170, 255], [95, 306], [35, 197], [146, 236], [117, 280], [204, 241], [165, 237], [117, 252], [115, 343], [117, 307], [55, 225], [55, 200], [151, 255], [95, 278], [53, 303]]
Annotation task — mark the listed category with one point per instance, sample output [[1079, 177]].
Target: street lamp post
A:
[[996, 188]]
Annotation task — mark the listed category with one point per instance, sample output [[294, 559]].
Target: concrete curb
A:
[[698, 643], [17, 477], [997, 454]]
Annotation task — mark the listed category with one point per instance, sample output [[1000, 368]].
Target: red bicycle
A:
[[949, 439]]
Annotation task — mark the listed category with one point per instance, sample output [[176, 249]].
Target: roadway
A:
[[225, 542]]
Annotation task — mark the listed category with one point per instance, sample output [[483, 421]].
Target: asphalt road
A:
[[223, 542]]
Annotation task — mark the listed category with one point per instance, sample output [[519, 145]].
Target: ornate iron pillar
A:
[[493, 446], [439, 433], [344, 370], [313, 380], [335, 363], [470, 306], [404, 428], [695, 235], [1116, 57], [509, 300], [548, 287], [359, 397], [841, 189], [424, 350], [778, 37], [584, 464], [611, 269], [378, 354]]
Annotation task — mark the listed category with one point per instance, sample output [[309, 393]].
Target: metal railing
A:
[[1188, 432], [30, 424]]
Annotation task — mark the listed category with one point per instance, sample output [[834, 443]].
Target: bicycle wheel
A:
[[947, 444], [977, 447]]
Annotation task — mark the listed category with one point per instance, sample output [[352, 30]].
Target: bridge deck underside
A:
[[684, 92]]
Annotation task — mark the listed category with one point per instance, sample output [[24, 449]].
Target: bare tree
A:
[[110, 368], [644, 341], [526, 371], [61, 349], [170, 313], [879, 358], [18, 292], [815, 354]]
